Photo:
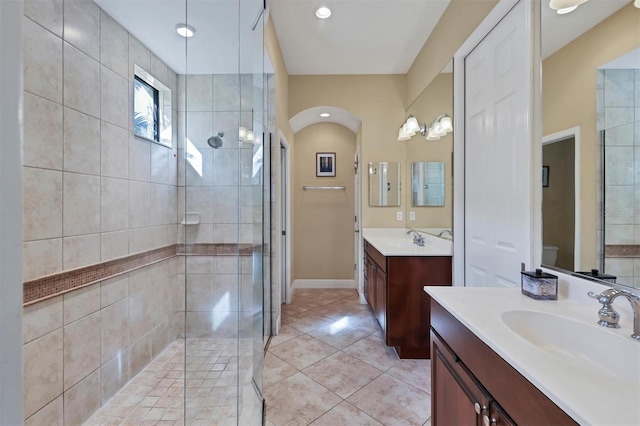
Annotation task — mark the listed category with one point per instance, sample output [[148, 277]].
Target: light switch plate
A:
[[399, 216], [412, 215]]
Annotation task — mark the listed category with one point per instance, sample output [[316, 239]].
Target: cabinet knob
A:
[[477, 407], [488, 422]]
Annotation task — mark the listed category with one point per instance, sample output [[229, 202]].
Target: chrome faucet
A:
[[418, 238], [444, 232], [609, 317]]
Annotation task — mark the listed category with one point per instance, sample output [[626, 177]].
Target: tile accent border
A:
[[47, 287], [630, 250]]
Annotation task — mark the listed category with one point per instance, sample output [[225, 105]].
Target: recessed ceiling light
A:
[[325, 115], [323, 12], [185, 30]]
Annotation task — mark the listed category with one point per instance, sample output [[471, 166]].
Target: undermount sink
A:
[[577, 342]]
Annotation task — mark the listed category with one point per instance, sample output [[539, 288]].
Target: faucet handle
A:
[[608, 317]]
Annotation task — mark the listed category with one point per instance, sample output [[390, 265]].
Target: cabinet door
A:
[[371, 284], [457, 400], [381, 299]]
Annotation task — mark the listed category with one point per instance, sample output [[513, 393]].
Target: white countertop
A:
[[585, 393], [396, 242]]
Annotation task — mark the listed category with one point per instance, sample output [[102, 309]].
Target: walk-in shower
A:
[[145, 284]]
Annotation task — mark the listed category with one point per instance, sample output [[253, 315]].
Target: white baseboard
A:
[[323, 284]]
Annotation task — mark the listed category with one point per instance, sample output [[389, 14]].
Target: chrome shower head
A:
[[215, 141]]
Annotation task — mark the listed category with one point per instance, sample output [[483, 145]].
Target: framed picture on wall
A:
[[325, 164], [545, 176]]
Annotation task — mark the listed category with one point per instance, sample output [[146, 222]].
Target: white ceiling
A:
[[361, 37]]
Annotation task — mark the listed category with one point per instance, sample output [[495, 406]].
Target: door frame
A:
[[573, 132], [359, 272], [486, 26], [286, 226]]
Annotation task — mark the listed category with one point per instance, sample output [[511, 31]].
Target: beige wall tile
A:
[[41, 318], [141, 312], [199, 96], [40, 258], [42, 133], [139, 354], [80, 251], [200, 264], [114, 329], [140, 239], [200, 292], [42, 204], [139, 280], [159, 338], [81, 349], [139, 204], [81, 143], [82, 400], [80, 303], [81, 79], [42, 61], [114, 374], [114, 148], [114, 45], [161, 156], [50, 415], [114, 204], [82, 26], [47, 13], [42, 371], [138, 55], [139, 159], [114, 290], [114, 98], [81, 204], [159, 199], [114, 245]]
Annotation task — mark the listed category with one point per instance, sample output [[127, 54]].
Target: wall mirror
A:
[[435, 100], [591, 99], [427, 184], [384, 184]]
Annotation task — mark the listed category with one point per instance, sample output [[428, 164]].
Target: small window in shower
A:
[[145, 110], [151, 108]]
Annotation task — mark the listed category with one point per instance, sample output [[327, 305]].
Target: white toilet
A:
[[549, 255]]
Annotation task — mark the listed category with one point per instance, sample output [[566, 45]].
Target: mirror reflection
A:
[[427, 184], [591, 95], [384, 184], [434, 101]]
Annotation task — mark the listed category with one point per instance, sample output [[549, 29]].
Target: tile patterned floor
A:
[[329, 366], [156, 396]]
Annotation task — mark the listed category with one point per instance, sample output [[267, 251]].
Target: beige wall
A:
[[436, 100], [377, 100], [569, 100], [558, 214], [323, 219], [456, 24]]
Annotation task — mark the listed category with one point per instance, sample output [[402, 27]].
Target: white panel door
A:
[[497, 154]]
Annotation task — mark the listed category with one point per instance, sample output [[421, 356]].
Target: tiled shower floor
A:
[[329, 366], [156, 395]]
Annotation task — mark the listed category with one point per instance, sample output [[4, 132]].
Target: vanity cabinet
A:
[[472, 385], [393, 287]]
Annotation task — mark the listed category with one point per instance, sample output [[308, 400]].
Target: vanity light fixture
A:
[[563, 7], [185, 30], [434, 131], [326, 114], [637, 4], [323, 12], [247, 136]]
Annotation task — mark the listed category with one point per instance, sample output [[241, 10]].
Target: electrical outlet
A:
[[399, 216], [412, 215]]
